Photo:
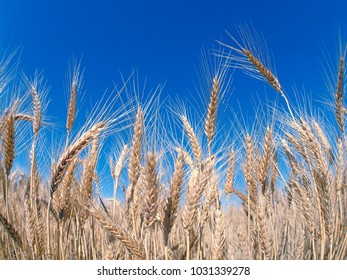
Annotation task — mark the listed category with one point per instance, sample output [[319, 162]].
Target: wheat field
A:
[[279, 194]]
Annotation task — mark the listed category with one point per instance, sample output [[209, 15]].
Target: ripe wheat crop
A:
[[280, 193]]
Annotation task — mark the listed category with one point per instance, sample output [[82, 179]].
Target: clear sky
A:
[[163, 40]]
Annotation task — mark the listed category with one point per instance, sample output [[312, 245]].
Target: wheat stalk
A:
[[324, 140]]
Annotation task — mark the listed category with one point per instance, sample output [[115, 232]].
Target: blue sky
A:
[[163, 40]]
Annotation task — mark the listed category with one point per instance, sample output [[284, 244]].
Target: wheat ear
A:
[[339, 94], [135, 153], [134, 167], [88, 174], [9, 144], [249, 172], [187, 158], [72, 106], [264, 235], [266, 160], [212, 111], [71, 152], [324, 140], [116, 171], [37, 110], [151, 188], [193, 139], [273, 81], [11, 230], [171, 206], [229, 184], [132, 245], [219, 249], [37, 122], [23, 117], [269, 76]]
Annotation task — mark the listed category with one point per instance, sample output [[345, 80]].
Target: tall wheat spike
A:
[[9, 144], [151, 191], [135, 153], [72, 104], [212, 111], [339, 94]]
